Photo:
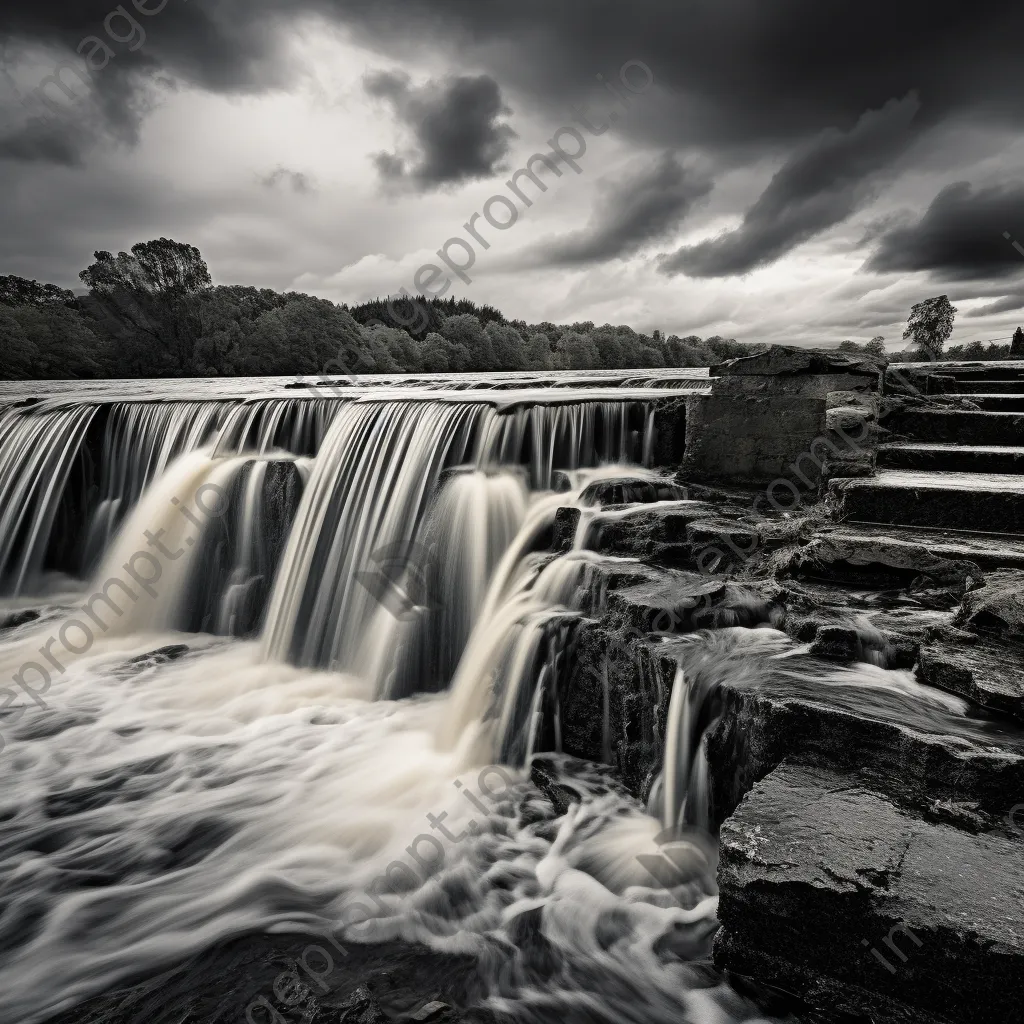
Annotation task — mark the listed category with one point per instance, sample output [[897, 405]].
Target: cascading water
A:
[[171, 783], [369, 501], [139, 442], [36, 455], [71, 473]]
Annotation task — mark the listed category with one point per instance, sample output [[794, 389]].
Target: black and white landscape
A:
[[511, 513]]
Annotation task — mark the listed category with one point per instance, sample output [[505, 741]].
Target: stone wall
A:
[[786, 413]]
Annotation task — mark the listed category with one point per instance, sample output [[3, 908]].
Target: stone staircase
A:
[[946, 466]]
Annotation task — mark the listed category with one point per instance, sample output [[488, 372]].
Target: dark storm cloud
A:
[[643, 207], [818, 187], [1007, 304], [733, 73], [97, 83], [40, 139], [300, 183], [454, 125], [743, 72], [961, 235]]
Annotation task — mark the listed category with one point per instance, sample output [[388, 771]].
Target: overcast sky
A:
[[785, 170]]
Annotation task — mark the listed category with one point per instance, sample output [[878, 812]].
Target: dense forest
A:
[[154, 312]]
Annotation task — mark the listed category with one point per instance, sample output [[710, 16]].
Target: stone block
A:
[[750, 439]]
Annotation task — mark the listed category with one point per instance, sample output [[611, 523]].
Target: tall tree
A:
[[1017, 345], [930, 324], [154, 292]]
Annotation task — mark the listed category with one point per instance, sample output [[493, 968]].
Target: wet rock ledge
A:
[[864, 759]]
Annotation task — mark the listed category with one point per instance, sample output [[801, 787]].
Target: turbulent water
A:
[[288, 673]]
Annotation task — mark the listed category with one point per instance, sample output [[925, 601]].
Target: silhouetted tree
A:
[[1017, 345], [930, 324], [152, 293]]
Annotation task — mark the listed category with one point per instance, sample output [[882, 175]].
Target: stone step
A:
[[989, 387], [987, 370], [978, 502], [985, 552], [951, 457], [956, 426], [992, 402], [919, 745], [831, 891]]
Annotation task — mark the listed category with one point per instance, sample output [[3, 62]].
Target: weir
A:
[[340, 604]]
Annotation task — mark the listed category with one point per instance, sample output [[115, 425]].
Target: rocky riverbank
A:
[[862, 744]]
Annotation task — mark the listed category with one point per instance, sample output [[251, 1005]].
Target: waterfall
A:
[[139, 442], [509, 675], [371, 485], [564, 436], [366, 515], [70, 474], [141, 439], [198, 553], [322, 630], [471, 524], [294, 425], [38, 449]]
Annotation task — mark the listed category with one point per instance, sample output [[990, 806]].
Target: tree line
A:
[[154, 312]]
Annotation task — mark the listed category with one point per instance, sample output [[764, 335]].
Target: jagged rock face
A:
[[996, 607], [657, 534], [850, 799]]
